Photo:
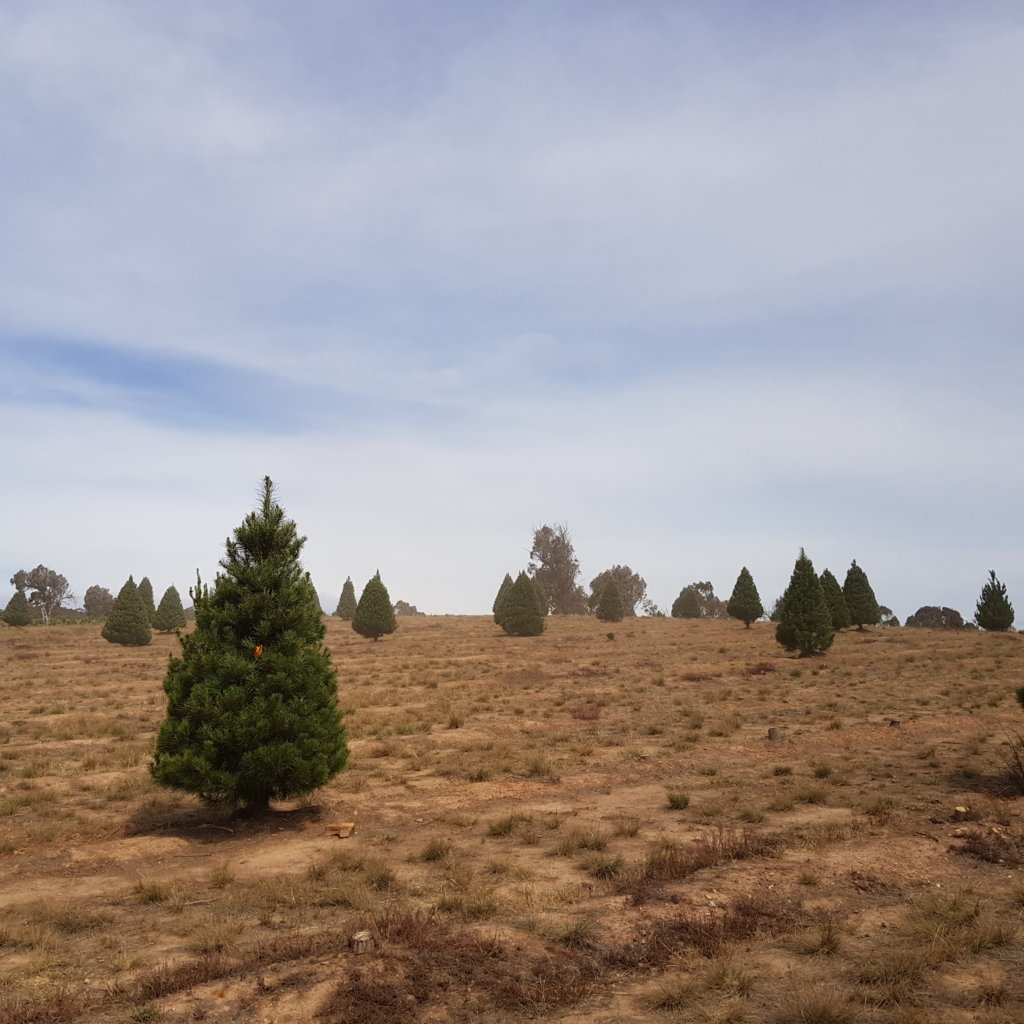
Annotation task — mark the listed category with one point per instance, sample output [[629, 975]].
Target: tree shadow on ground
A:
[[188, 819]]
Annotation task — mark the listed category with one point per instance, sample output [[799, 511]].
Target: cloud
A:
[[707, 281]]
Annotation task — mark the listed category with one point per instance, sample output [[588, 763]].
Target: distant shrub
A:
[[933, 617]]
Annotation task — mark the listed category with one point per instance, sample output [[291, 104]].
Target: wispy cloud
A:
[[707, 280]]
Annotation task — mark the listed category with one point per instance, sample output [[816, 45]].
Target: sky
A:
[[708, 282]]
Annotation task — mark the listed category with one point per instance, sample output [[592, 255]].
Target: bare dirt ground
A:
[[589, 826]]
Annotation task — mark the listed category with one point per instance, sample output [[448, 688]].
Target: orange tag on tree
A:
[[258, 651]]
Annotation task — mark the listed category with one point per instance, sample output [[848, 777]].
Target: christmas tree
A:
[[806, 625], [128, 623], [252, 703], [994, 611], [609, 607], [169, 613], [523, 612], [860, 598], [375, 615], [745, 602], [347, 602]]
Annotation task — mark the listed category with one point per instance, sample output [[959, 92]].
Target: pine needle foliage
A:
[[252, 703], [835, 600], [860, 598], [169, 614], [17, 612], [523, 613], [347, 602], [501, 597], [806, 625], [145, 589], [993, 610], [610, 606], [375, 615], [128, 622], [745, 602]]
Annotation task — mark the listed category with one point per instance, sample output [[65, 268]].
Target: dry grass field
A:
[[588, 826]]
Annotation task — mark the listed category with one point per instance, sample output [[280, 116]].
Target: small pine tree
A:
[[994, 611], [835, 600], [860, 598], [501, 597], [687, 604], [745, 602], [145, 589], [347, 602], [610, 608], [17, 612], [128, 623], [375, 615], [523, 611], [252, 703], [169, 613], [806, 625]]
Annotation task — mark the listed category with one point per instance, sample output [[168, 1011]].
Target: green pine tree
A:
[[145, 589], [994, 611], [169, 613], [128, 623], [745, 602], [523, 612], [17, 612], [806, 625], [860, 598], [252, 703], [687, 604], [835, 600], [375, 615], [501, 597], [347, 602], [610, 606]]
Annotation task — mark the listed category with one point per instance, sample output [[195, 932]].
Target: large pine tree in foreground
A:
[[806, 624], [128, 621], [252, 703], [745, 602]]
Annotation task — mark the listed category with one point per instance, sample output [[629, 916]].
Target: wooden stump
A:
[[361, 942]]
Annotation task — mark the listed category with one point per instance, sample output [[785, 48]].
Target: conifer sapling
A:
[[745, 602], [128, 623], [375, 614], [252, 703], [347, 602]]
